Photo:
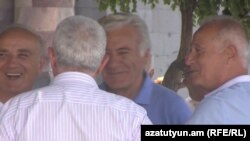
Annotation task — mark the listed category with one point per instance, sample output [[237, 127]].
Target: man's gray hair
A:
[[233, 32], [118, 20], [79, 43]]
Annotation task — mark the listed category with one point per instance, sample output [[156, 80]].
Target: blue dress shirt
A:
[[228, 104], [163, 105]]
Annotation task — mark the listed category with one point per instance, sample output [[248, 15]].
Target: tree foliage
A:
[[193, 11], [237, 8]]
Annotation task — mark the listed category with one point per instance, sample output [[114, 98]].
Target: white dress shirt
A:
[[71, 108]]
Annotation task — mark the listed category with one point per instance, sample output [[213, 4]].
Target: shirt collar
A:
[[239, 79], [145, 92], [144, 95], [74, 77]]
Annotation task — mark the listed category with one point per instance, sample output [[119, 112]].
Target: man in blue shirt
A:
[[128, 49], [218, 64]]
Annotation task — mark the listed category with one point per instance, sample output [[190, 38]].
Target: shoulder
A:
[[170, 100], [210, 111], [16, 104], [124, 107], [27, 99], [216, 107], [119, 103], [166, 94], [163, 90], [234, 91]]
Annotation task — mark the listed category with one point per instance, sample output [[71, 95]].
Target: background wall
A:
[[164, 27], [43, 15]]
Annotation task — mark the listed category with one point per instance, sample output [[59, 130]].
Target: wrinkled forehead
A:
[[19, 39], [20, 35], [206, 33], [15, 32]]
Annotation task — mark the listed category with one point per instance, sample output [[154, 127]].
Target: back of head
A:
[[79, 43], [230, 31], [118, 20]]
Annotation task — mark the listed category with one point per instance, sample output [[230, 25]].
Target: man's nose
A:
[[12, 61], [113, 59], [189, 58]]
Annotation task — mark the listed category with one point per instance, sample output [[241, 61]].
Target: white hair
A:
[[79, 42], [118, 20]]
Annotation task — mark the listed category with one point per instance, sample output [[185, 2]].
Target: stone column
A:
[[88, 8], [6, 12], [43, 16]]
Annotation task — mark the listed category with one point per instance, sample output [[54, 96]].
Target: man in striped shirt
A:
[[72, 107]]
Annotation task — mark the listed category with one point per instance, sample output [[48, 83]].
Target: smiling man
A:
[[128, 48], [21, 59], [218, 64]]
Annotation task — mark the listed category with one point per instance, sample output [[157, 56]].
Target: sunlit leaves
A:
[[206, 8], [237, 8], [118, 5]]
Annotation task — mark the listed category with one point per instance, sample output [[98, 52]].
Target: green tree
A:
[[192, 12]]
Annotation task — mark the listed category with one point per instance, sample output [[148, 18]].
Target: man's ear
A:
[[231, 52], [147, 57], [42, 63], [52, 57], [102, 65]]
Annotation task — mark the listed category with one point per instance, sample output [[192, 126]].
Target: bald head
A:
[[230, 32], [219, 53], [21, 31]]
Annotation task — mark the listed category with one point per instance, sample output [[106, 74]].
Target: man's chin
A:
[[116, 86], [20, 89]]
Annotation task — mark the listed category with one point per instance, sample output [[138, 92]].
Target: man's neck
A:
[[4, 97], [131, 91], [126, 92]]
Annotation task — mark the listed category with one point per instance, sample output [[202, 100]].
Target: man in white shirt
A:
[[218, 64], [21, 60], [72, 107]]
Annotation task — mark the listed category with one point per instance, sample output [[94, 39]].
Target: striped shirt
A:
[[71, 108]]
